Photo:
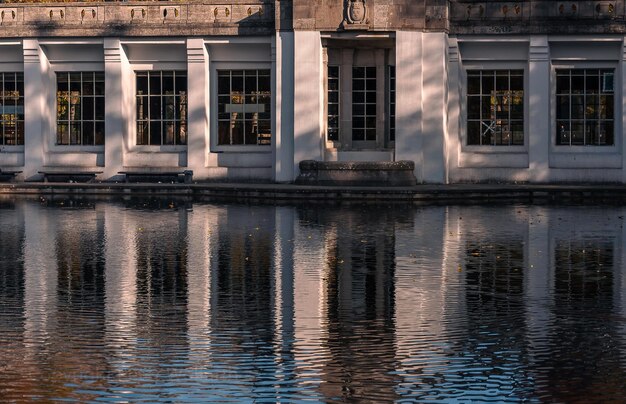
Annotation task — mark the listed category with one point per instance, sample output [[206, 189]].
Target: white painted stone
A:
[[409, 99], [307, 97]]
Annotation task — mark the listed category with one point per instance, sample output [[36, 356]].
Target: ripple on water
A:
[[157, 302]]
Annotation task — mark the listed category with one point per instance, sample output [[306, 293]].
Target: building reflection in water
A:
[[189, 301]]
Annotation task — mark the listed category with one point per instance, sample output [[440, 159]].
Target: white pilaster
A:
[[409, 98], [114, 111], [434, 85], [283, 113], [198, 103], [538, 107], [35, 76], [307, 97], [453, 139]]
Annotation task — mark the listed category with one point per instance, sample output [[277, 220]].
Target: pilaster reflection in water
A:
[[177, 301]]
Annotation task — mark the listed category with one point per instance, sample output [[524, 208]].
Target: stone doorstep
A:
[[357, 173]]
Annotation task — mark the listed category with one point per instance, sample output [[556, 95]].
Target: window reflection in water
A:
[[585, 335], [161, 253], [329, 304]]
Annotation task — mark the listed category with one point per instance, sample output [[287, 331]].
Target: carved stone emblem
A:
[[355, 11]]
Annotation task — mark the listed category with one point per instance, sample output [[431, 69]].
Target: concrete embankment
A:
[[457, 193]]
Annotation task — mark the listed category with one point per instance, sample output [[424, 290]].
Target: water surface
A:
[[163, 300]]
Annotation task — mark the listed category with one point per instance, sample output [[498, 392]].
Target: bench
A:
[[69, 174], [162, 175], [8, 175]]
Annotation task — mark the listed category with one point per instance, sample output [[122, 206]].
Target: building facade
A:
[[469, 91]]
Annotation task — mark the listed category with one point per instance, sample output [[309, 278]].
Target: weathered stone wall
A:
[[381, 15], [537, 17], [235, 17]]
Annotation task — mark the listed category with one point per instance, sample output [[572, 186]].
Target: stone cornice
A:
[[234, 17]]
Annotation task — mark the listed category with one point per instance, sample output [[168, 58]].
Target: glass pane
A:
[[155, 83], [606, 107], [62, 134], [517, 83], [250, 83], [142, 107], [223, 132], [578, 134], [87, 88], [88, 108], [168, 82], [75, 138], [223, 83], [562, 84], [169, 130], [250, 132], [99, 135], [591, 110], [578, 84], [358, 72], [358, 134], [75, 82], [169, 108], [606, 133], [591, 132], [592, 84], [155, 107], [62, 83], [99, 108], [88, 133], [473, 85], [358, 85], [19, 132], [99, 88], [181, 132], [562, 133], [473, 107], [142, 83], [155, 132], [237, 132], [562, 107], [237, 84], [487, 83], [142, 133]]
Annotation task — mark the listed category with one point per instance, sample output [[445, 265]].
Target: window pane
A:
[[223, 131], [473, 133], [155, 133], [155, 83], [142, 83], [88, 88], [223, 83], [473, 85], [99, 108], [88, 108], [88, 133], [142, 133], [168, 82], [243, 104], [589, 105], [237, 132], [99, 135]]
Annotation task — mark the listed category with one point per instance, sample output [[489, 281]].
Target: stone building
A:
[[468, 91]]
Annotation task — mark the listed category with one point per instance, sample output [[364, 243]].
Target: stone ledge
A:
[[357, 173]]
